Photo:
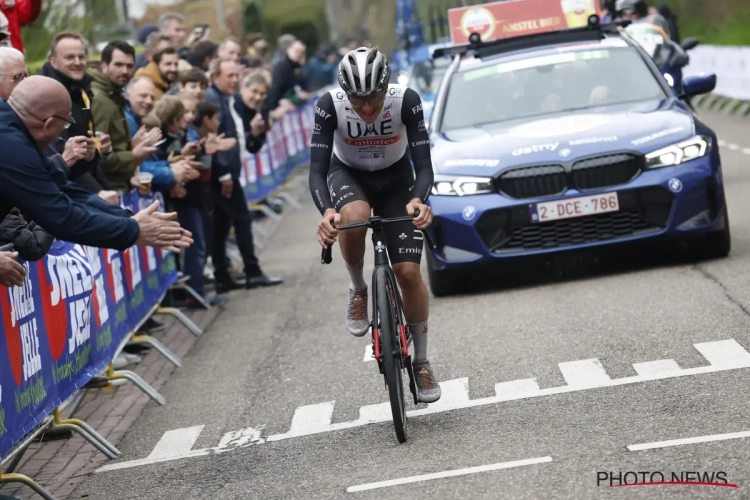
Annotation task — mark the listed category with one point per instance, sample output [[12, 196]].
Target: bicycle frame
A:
[[381, 260]]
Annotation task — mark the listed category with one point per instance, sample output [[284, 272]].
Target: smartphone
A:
[[88, 121], [199, 30]]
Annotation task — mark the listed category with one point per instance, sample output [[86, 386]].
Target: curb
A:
[[722, 104]]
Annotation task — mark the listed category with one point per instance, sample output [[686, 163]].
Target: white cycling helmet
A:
[[364, 72]]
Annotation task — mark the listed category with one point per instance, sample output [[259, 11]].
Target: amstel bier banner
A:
[[512, 18]]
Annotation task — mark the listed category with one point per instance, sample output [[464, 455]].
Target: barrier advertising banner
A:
[[512, 18], [64, 325], [78, 304]]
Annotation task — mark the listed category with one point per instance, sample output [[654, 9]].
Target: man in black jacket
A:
[[67, 65], [36, 113], [230, 206], [287, 74]]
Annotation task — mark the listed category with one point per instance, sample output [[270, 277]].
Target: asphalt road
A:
[[274, 351]]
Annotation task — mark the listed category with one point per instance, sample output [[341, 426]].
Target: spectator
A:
[[193, 82], [31, 241], [321, 70], [286, 76], [257, 46], [145, 32], [252, 93], [168, 172], [20, 13], [154, 43], [109, 114], [141, 96], [12, 70], [162, 70], [248, 64], [172, 25], [192, 207], [67, 65], [36, 113], [230, 49], [284, 42], [230, 207], [202, 53]]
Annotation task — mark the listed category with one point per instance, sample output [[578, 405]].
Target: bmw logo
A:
[[675, 185], [469, 212], [565, 153]]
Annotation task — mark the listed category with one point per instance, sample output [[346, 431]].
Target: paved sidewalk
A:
[[61, 465]]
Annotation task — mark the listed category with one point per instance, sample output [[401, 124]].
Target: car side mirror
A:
[[697, 85], [690, 43]]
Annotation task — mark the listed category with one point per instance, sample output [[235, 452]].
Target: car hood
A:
[[490, 149]]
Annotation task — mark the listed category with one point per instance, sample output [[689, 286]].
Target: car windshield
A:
[[426, 76], [547, 84]]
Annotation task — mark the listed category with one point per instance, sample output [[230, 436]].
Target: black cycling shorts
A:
[[387, 191]]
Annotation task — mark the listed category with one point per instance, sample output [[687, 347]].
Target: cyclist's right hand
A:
[[326, 233]]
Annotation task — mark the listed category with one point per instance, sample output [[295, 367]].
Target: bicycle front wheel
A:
[[391, 353]]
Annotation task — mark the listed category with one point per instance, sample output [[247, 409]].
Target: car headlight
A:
[[460, 186], [681, 152]]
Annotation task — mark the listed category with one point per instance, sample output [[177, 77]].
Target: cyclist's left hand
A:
[[425, 213]]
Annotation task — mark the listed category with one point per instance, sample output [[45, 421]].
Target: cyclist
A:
[[364, 135]]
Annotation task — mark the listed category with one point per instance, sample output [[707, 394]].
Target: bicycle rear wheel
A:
[[391, 353]]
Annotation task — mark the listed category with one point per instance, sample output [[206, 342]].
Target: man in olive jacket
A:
[[108, 108]]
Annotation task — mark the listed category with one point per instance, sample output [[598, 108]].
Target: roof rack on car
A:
[[594, 31]]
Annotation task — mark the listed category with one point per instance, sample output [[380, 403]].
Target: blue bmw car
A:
[[563, 141]]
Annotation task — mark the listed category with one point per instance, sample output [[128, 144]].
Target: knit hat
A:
[[146, 31]]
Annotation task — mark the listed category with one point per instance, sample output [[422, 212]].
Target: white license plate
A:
[[574, 207]]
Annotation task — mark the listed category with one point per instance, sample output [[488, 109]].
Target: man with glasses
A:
[[34, 116], [365, 134]]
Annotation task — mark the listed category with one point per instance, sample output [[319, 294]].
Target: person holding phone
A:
[[108, 109], [75, 152]]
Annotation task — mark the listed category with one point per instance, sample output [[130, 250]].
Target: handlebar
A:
[[327, 252]]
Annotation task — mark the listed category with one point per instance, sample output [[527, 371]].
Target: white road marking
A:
[[585, 373], [375, 413], [311, 418], [733, 147], [448, 473], [722, 142], [725, 353], [692, 440], [315, 419], [454, 393], [517, 387], [746, 151], [660, 366], [241, 438], [178, 442]]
